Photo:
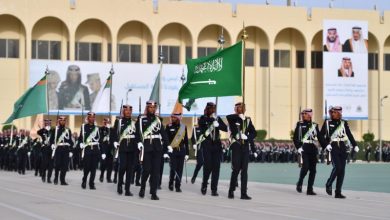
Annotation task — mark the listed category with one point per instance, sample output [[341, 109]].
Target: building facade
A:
[[283, 52]]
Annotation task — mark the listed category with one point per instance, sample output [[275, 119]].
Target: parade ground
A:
[[271, 186]]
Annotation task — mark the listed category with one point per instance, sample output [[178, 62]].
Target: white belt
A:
[[308, 142], [153, 136], [92, 143], [338, 139], [63, 144], [129, 136]]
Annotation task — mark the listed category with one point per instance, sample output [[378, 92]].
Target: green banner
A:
[[219, 74]]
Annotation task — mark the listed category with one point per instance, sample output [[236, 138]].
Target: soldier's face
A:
[[62, 122], [240, 109], [210, 110], [306, 117], [335, 115], [151, 109], [174, 120], [127, 112], [91, 119]]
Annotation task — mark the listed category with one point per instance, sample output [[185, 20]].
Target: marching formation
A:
[[133, 152]]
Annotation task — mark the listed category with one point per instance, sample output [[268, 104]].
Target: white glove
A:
[[195, 147], [82, 146], [116, 145], [255, 155], [19, 146], [29, 153], [53, 147], [300, 150], [186, 157], [170, 149], [70, 154], [216, 124], [244, 137], [103, 156], [328, 148], [224, 150], [356, 149], [166, 156], [140, 146]]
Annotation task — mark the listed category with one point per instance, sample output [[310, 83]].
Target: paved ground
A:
[[26, 197]]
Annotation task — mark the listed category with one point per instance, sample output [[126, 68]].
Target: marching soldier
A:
[[106, 148], [198, 152], [337, 133], [37, 155], [61, 141], [21, 152], [125, 144], [151, 138], [89, 143], [46, 151], [305, 134], [242, 134], [210, 126], [178, 138]]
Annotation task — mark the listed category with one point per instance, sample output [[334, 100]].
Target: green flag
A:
[[219, 74], [32, 102], [155, 95]]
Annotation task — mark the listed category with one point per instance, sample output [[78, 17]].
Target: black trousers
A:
[[90, 161], [126, 165], [212, 164], [22, 158], [176, 163], [199, 163], [162, 162], [339, 156], [309, 156], [37, 162], [47, 165], [151, 167], [240, 159], [106, 165], [61, 162]]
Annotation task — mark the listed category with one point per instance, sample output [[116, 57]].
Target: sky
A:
[[381, 5]]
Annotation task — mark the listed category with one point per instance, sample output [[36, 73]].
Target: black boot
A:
[[119, 189], [178, 190], [339, 196], [101, 178], [245, 197], [299, 188], [170, 187], [231, 195], [142, 193], [214, 193], [155, 197], [128, 193], [310, 192], [193, 180], [328, 190], [83, 185]]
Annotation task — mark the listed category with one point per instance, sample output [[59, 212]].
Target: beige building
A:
[[284, 61]]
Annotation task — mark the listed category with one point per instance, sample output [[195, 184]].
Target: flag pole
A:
[[221, 41], [244, 36], [47, 93], [161, 59], [112, 72]]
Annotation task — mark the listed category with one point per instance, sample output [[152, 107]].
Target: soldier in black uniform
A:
[[242, 134], [46, 151], [178, 139], [152, 139], [106, 150], [337, 133], [305, 134], [198, 151], [61, 141], [89, 143], [21, 152], [125, 143], [210, 126]]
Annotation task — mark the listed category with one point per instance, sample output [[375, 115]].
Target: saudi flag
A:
[[219, 74], [32, 102], [102, 101]]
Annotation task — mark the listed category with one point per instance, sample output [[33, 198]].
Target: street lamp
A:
[[380, 126]]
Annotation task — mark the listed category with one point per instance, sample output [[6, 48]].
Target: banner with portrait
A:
[[345, 67], [73, 85]]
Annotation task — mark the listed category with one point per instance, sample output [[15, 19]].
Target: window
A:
[[135, 53], [188, 52], [150, 54], [109, 52], [205, 51], [372, 61], [387, 62], [86, 51], [171, 54], [264, 58], [249, 57], [300, 55], [44, 49], [282, 58], [316, 59], [9, 48]]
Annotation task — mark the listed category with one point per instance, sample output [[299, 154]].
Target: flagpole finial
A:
[[47, 70], [183, 77], [112, 72], [161, 57], [244, 35]]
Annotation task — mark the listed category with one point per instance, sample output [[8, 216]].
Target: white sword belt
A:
[[92, 144], [153, 136], [63, 144], [308, 142]]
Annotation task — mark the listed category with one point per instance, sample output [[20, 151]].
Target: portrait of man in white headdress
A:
[[357, 43], [332, 41], [346, 68]]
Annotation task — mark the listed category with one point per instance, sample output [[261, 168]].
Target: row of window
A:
[[87, 51]]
